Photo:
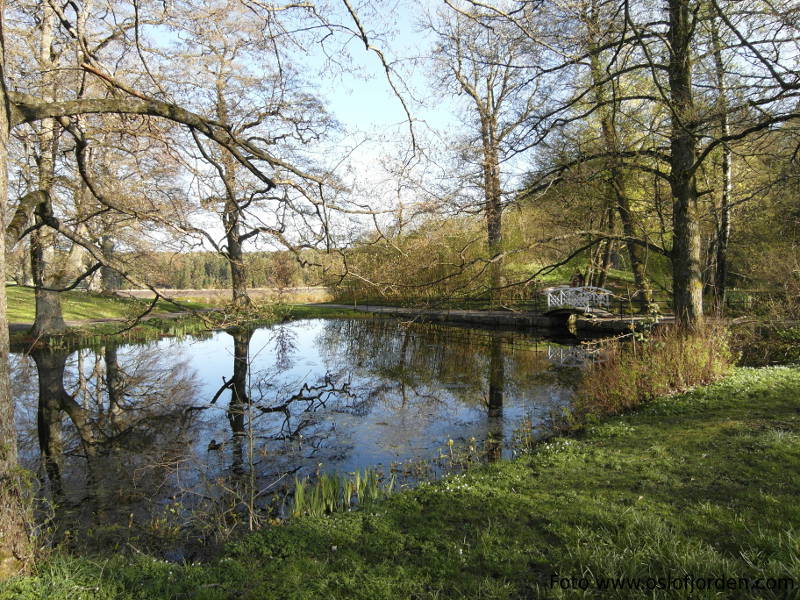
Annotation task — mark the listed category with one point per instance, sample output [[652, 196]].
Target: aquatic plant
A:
[[335, 492]]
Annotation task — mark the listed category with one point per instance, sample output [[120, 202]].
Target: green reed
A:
[[335, 492]]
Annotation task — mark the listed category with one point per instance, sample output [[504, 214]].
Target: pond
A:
[[197, 437]]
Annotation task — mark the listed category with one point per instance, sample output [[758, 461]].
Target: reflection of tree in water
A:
[[426, 357], [422, 366], [114, 425], [284, 338], [494, 423], [308, 399], [238, 381], [406, 358], [122, 418], [265, 410]]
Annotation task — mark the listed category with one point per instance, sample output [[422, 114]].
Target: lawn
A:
[[693, 495], [81, 305]]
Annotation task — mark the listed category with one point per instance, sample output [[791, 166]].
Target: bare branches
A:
[[28, 109], [387, 69]]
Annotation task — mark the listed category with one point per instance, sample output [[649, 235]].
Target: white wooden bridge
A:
[[585, 298]]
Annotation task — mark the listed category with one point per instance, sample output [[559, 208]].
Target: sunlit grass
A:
[[81, 305], [316, 311]]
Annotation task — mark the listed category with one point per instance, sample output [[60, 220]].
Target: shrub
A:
[[669, 360]]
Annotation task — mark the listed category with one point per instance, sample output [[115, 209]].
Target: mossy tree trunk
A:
[[686, 267]]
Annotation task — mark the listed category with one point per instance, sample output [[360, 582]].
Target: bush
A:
[[669, 360]]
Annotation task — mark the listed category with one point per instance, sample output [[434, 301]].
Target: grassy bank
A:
[[696, 485], [315, 311], [85, 309], [81, 305]]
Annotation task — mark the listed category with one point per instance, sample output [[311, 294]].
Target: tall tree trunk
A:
[[493, 205], [687, 282], [605, 265], [231, 215], [236, 260], [616, 180], [724, 220], [14, 538], [49, 319]]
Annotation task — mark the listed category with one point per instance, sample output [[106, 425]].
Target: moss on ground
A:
[[696, 485]]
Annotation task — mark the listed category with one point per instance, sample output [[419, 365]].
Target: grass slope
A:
[[701, 484], [80, 305], [315, 311]]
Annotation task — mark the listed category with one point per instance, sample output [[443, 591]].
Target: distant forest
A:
[[209, 270]]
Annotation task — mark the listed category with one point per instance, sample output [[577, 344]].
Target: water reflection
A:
[[122, 432], [494, 426], [108, 431]]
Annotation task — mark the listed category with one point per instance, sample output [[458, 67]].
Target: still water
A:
[[121, 436]]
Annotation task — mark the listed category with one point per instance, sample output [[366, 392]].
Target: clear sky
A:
[[366, 100]]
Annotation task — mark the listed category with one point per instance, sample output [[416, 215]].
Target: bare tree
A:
[[487, 65], [244, 77], [111, 94]]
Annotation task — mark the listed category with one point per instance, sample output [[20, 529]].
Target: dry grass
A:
[[633, 372], [219, 297]]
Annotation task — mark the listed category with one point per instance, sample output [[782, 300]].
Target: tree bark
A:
[[109, 277], [14, 537], [493, 199], [49, 319], [724, 220], [231, 215], [686, 268]]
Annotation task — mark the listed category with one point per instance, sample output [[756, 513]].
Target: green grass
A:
[[80, 305], [700, 484], [617, 278], [315, 311], [87, 306]]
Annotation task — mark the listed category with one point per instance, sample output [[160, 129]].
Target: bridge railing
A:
[[578, 297]]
